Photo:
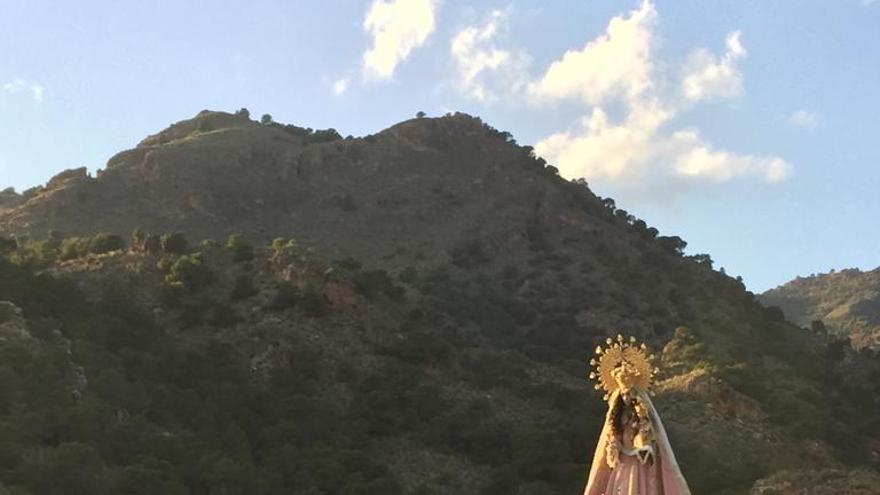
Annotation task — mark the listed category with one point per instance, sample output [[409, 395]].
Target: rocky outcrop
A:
[[10, 199], [68, 177]]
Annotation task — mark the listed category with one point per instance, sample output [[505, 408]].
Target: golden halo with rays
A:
[[616, 353]]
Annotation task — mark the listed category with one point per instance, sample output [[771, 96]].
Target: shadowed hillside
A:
[[234, 307]]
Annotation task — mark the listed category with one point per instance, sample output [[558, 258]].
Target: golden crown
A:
[[622, 365]]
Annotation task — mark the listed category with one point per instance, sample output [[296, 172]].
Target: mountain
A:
[[445, 182], [236, 307], [846, 302]]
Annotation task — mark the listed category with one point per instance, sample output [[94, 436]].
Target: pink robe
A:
[[631, 477]]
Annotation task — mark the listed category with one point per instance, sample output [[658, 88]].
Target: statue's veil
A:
[[671, 479]]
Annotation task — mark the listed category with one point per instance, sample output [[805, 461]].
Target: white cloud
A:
[[484, 70], [38, 91], [340, 86], [397, 28], [707, 76], [638, 155], [19, 86], [614, 65], [641, 150], [805, 119], [694, 158], [14, 87], [603, 150]]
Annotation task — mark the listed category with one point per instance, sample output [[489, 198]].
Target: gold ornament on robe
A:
[[623, 364]]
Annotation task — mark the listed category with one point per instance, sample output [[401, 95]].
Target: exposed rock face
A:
[[847, 302], [426, 184], [68, 177], [10, 199]]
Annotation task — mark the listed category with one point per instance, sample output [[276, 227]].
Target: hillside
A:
[[445, 182], [846, 302], [408, 312]]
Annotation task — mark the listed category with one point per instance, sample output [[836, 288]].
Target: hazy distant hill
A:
[[408, 312], [846, 302]]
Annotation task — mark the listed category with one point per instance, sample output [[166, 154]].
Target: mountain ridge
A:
[[847, 302], [286, 172], [422, 299]]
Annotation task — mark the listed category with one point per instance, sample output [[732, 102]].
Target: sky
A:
[[748, 128]]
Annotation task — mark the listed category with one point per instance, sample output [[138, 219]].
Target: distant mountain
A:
[[237, 307], [846, 302]]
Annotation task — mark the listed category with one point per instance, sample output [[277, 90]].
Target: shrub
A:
[[138, 238], [153, 244], [189, 271], [105, 243], [278, 243], [36, 254], [174, 243], [241, 249], [325, 136], [73, 248]]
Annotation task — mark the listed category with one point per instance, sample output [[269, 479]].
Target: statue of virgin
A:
[[633, 455]]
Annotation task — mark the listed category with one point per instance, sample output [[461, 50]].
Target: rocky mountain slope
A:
[[445, 182], [232, 307], [846, 302]]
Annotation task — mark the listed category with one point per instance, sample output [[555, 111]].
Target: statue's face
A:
[[619, 377]]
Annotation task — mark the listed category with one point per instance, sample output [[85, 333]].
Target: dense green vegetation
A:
[[159, 417], [156, 416], [427, 333], [102, 399]]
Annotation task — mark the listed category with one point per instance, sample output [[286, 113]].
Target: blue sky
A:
[[750, 129]]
